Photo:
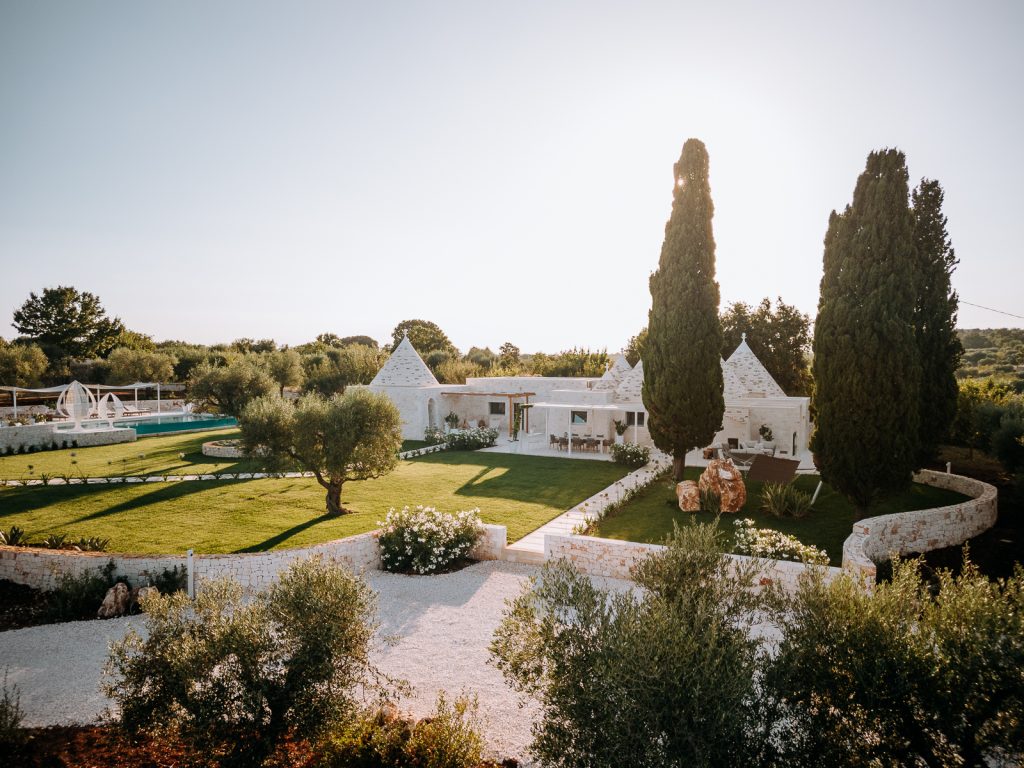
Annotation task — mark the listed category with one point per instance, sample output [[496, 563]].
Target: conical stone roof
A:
[[751, 373], [616, 372], [630, 389], [405, 368], [733, 387]]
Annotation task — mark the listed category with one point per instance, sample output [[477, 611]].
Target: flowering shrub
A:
[[433, 435], [471, 439], [773, 545], [630, 454], [424, 540]]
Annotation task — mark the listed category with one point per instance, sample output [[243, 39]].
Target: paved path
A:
[[443, 625]]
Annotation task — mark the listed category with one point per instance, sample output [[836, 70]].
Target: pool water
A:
[[156, 425]]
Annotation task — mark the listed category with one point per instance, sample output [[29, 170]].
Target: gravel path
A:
[[443, 624]]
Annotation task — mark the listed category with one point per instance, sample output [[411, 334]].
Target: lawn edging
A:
[[255, 571], [877, 539]]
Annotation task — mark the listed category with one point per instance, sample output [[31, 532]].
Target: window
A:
[[578, 417], [497, 409], [635, 419]]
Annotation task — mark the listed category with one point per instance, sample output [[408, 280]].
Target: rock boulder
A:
[[116, 602], [689, 496], [725, 481]]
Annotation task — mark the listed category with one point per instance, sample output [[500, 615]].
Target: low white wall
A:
[[42, 437], [878, 539], [615, 559], [42, 568], [222, 451]]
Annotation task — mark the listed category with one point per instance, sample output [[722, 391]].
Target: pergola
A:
[[57, 390], [633, 408], [512, 396]]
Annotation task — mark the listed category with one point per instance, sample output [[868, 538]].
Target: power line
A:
[[998, 311]]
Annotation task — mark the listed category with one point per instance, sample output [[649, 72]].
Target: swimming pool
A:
[[179, 422]]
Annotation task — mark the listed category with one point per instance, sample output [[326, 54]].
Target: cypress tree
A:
[[866, 362], [935, 324], [682, 389]]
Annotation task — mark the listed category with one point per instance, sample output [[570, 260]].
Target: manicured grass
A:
[[649, 516], [160, 456], [520, 492]]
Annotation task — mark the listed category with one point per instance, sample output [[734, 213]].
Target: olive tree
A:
[[350, 436], [902, 676], [660, 677], [229, 388], [129, 365], [232, 676]]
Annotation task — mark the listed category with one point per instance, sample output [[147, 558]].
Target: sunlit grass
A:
[[520, 492]]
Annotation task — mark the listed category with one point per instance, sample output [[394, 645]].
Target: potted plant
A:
[[620, 430], [452, 420], [766, 433]]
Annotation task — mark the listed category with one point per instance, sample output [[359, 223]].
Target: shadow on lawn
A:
[[283, 536]]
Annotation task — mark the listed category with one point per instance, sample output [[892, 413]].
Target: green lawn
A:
[[520, 492], [147, 456], [649, 516]]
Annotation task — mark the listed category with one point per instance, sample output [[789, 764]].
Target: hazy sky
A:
[[278, 169]]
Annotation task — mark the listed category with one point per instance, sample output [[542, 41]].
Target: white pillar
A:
[[15, 393], [158, 397], [636, 429], [191, 576], [569, 411]]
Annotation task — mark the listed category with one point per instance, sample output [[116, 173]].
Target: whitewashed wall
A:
[[42, 437]]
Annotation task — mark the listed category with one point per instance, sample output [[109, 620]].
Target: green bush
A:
[[710, 502], [902, 676], [14, 537], [11, 715], [170, 580], [661, 676], [630, 454], [424, 540], [232, 677], [785, 500], [449, 738], [79, 596], [1008, 442]]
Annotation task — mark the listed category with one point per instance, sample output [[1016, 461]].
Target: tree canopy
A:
[[682, 369], [866, 360], [127, 366], [67, 322], [229, 388], [935, 320], [425, 337], [21, 365], [780, 337], [350, 436]]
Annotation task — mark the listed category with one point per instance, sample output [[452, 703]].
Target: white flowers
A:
[[764, 542], [424, 540]]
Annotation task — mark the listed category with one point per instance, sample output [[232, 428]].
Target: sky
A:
[[215, 170]]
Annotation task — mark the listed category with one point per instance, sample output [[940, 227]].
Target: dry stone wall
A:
[[41, 437], [615, 559], [43, 568], [877, 539]]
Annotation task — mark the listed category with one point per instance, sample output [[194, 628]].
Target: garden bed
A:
[[649, 516]]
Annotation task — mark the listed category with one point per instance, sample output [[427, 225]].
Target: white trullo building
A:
[[585, 406]]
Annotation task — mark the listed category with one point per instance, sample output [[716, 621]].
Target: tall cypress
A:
[[935, 323], [682, 389], [866, 361]]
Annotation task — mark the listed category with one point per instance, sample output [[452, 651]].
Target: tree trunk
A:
[[678, 465], [334, 507]]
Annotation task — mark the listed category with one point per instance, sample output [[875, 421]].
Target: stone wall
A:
[[615, 559], [42, 436], [42, 568], [876, 539], [223, 451]]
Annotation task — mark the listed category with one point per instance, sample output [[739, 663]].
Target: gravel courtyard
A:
[[443, 625]]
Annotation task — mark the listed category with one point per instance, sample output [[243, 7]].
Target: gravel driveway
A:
[[444, 625]]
